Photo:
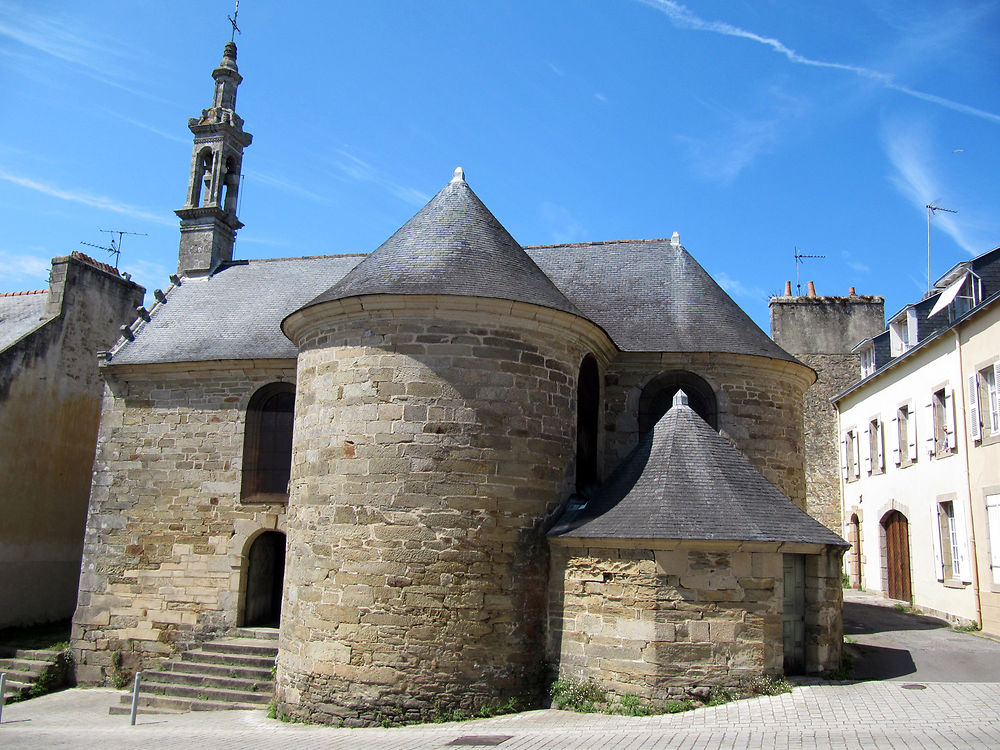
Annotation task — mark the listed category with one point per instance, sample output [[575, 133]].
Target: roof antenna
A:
[[114, 248], [232, 20], [931, 208], [798, 262]]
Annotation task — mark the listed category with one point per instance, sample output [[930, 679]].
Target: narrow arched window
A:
[[588, 399], [659, 393], [202, 177], [267, 444]]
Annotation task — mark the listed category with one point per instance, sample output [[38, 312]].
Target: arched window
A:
[[202, 176], [230, 186], [659, 393], [267, 444], [588, 398]]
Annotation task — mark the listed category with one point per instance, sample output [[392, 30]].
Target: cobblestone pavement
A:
[[846, 715]]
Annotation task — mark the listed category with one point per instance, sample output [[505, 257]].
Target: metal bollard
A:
[[3, 687], [135, 697]]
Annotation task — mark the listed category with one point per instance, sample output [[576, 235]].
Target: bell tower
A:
[[208, 218]]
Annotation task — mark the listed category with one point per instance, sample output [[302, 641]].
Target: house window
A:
[[904, 451], [867, 361], [267, 444], [941, 440], [948, 538], [875, 458], [984, 406], [850, 459]]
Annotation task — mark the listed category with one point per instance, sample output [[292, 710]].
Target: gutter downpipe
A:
[[968, 488]]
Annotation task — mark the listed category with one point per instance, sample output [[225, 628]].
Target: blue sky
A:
[[751, 128]]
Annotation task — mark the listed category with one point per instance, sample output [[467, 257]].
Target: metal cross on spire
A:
[[232, 20]]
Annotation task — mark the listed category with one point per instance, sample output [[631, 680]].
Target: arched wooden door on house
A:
[[854, 537], [897, 555], [265, 574]]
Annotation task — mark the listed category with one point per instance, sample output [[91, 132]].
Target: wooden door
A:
[[897, 555], [793, 615]]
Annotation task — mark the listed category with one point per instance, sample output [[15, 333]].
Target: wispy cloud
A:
[[563, 226], [683, 18], [150, 128], [86, 199], [361, 171], [736, 288], [18, 266], [854, 264], [907, 146], [287, 186]]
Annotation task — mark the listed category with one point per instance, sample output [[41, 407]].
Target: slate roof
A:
[[652, 296], [233, 314], [453, 246], [20, 314], [686, 481]]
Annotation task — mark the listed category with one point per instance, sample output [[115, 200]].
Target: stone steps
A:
[[234, 672], [23, 668]]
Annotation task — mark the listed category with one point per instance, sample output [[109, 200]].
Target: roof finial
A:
[[680, 399], [459, 175], [675, 239]]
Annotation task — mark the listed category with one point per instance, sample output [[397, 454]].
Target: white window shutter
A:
[[911, 433], [993, 527], [843, 458], [897, 453], [963, 570], [929, 426], [975, 426], [936, 536], [857, 457], [866, 450], [880, 446], [949, 420], [995, 400]]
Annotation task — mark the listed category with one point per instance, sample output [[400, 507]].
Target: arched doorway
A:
[[658, 396], [897, 555], [265, 573], [854, 537]]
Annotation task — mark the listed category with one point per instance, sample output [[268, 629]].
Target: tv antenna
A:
[[798, 262], [232, 20], [114, 248], [931, 208]]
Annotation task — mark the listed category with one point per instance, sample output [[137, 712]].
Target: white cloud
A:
[[563, 226], [87, 199], [736, 288], [908, 147], [683, 18], [361, 171], [24, 266], [287, 186]]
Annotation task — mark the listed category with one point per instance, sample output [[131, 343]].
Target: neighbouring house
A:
[[375, 454], [920, 451], [50, 404]]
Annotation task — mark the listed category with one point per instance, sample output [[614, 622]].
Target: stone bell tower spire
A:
[[208, 218]]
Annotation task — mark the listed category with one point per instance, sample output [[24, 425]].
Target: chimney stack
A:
[[788, 289], [812, 289]]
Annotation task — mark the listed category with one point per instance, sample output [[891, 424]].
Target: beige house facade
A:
[[918, 467]]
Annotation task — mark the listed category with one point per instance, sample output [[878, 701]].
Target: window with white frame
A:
[[850, 456], [874, 454], [867, 361], [949, 542], [984, 405], [904, 436], [993, 528], [941, 438]]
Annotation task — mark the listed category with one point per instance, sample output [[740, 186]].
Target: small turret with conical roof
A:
[[208, 218]]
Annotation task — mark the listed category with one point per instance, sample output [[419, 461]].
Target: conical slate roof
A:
[[685, 481], [452, 246]]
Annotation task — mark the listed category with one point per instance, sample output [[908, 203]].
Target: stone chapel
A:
[[450, 466]]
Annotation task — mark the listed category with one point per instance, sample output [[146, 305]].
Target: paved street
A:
[[906, 709]]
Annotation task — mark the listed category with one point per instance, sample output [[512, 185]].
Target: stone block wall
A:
[[759, 408], [433, 437], [660, 622], [824, 609], [166, 532], [50, 401]]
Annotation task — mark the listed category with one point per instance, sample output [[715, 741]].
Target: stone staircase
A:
[[229, 673], [27, 667]]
